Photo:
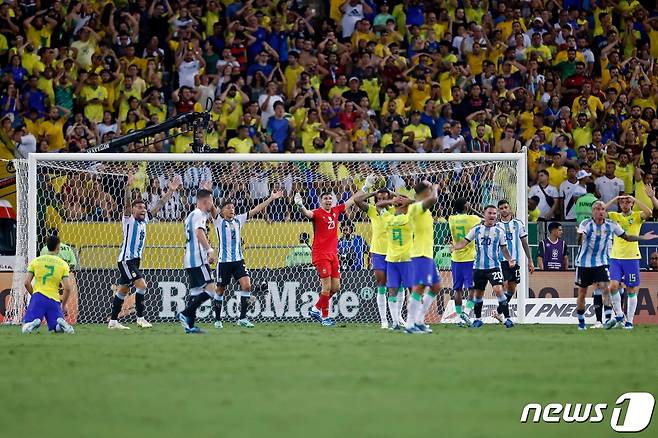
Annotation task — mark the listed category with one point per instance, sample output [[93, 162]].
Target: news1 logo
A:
[[638, 412]]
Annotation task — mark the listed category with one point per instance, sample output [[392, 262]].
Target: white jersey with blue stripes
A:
[[229, 236], [134, 235], [488, 241], [597, 239], [195, 254], [514, 231]]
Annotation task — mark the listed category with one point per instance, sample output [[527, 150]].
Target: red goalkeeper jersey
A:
[[325, 230]]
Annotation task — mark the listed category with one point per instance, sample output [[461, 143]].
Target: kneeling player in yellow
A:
[[48, 271]]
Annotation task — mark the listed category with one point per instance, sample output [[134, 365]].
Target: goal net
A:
[[81, 197]]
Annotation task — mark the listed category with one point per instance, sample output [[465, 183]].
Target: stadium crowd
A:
[[574, 82]]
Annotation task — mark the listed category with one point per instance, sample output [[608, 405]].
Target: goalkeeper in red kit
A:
[[324, 251]]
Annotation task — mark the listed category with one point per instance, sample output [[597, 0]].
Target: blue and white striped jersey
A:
[[597, 239], [134, 235], [195, 255], [488, 241], [514, 231], [229, 236]]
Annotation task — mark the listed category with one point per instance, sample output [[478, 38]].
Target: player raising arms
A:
[[594, 237], [48, 271], [378, 245], [324, 251], [135, 219], [516, 235], [489, 242], [199, 255], [398, 255], [625, 258], [462, 259], [422, 270], [230, 260]]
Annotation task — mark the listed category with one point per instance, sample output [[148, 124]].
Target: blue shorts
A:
[[625, 271], [40, 306], [462, 275], [378, 261], [397, 274], [424, 272]]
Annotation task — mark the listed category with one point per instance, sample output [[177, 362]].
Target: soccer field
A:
[[288, 380]]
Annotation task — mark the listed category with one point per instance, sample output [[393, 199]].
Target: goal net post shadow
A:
[[82, 197]]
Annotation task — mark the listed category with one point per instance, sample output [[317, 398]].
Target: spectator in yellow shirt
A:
[[557, 172], [625, 171], [243, 144], [52, 130], [416, 131], [94, 98]]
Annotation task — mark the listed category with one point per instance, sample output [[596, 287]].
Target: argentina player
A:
[[135, 219], [230, 259], [517, 236], [199, 255], [594, 238], [489, 242]]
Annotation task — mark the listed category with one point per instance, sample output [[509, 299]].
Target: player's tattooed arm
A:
[[360, 200], [431, 199], [459, 245], [528, 254], [613, 201], [276, 194], [28, 282], [631, 238], [127, 201], [508, 256], [205, 244]]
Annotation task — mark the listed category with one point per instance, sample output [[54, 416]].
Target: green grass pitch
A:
[[302, 380]]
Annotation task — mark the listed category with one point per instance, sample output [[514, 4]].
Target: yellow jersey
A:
[[48, 271], [399, 237], [379, 240], [422, 225], [641, 195], [460, 225], [631, 224], [241, 146], [556, 176], [626, 174]]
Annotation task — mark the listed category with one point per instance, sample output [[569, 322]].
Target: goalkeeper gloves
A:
[[299, 202], [370, 181]]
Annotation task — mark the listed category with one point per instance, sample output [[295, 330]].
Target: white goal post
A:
[[45, 182]]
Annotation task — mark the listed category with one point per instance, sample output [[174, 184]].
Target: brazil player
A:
[[230, 260], [398, 254], [625, 257], [324, 251], [594, 237], [199, 255], [67, 254], [517, 236], [48, 272], [135, 219], [423, 271], [489, 242], [462, 259], [378, 244]]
